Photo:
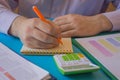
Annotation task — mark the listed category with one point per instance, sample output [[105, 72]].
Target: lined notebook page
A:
[[65, 48]]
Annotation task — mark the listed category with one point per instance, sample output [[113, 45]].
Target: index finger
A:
[[48, 27]]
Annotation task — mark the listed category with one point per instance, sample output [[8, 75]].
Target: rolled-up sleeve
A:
[[114, 18], [6, 16]]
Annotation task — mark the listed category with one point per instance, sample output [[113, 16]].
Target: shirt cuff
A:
[[6, 19], [114, 18]]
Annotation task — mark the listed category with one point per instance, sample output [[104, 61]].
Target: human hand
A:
[[35, 33], [73, 25]]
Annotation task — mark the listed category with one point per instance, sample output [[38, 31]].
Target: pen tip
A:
[[59, 40]]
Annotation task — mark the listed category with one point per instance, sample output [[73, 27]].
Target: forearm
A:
[[103, 22]]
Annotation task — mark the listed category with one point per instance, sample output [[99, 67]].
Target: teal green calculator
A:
[[74, 63]]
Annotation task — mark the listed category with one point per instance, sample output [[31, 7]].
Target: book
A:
[[14, 67], [65, 48], [69, 64], [103, 50]]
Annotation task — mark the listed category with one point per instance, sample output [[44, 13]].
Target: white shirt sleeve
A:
[[114, 17], [6, 16]]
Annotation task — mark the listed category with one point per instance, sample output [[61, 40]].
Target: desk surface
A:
[[47, 62]]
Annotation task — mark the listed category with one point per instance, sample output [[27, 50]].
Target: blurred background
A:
[[110, 8]]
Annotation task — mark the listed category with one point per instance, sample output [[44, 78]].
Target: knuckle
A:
[[34, 21], [52, 31]]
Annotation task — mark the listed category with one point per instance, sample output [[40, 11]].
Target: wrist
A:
[[16, 25], [104, 23]]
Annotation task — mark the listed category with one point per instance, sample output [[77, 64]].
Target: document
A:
[[14, 67], [106, 50]]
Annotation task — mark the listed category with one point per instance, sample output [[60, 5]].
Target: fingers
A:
[[45, 35], [42, 36], [35, 43], [38, 34], [61, 21], [60, 18], [70, 33], [38, 39], [64, 23], [48, 28], [66, 27], [57, 28]]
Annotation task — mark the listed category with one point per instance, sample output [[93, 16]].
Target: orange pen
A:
[[39, 14]]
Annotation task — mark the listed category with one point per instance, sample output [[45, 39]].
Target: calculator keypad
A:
[[74, 63], [72, 60]]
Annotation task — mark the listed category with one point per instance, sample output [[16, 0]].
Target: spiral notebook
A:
[[61, 49]]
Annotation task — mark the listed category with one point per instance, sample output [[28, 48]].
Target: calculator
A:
[[74, 63]]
